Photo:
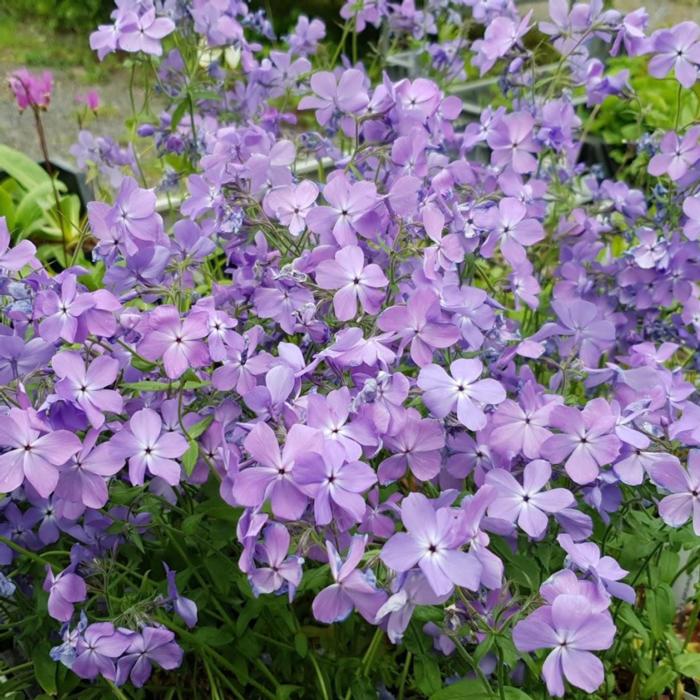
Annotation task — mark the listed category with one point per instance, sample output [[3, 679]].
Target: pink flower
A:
[[31, 89]]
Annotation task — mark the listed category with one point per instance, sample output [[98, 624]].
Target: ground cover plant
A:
[[338, 390]]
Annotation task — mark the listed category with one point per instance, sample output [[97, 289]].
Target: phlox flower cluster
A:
[[443, 343]]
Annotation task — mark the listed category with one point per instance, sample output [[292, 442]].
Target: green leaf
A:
[[146, 385], [213, 636], [44, 668], [466, 689], [659, 680], [34, 203], [189, 459], [178, 113], [661, 609], [143, 365], [515, 694], [301, 644], [22, 168], [198, 428], [427, 675], [688, 664]]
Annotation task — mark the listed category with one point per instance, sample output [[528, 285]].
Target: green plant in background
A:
[[28, 196], [657, 105]]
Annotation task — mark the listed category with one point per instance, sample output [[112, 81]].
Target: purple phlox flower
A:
[[691, 208], [282, 573], [511, 140], [248, 527], [420, 322], [599, 84], [471, 312], [509, 226], [683, 503], [447, 251], [461, 391], [418, 447], [219, 325], [572, 629], [144, 444], [501, 34], [412, 589], [184, 607], [31, 455], [416, 101], [7, 586], [53, 515], [273, 476], [565, 582], [18, 358], [346, 95], [64, 589], [529, 504], [290, 204], [631, 33], [243, 363], [106, 38], [331, 413], [676, 49], [467, 455], [652, 251], [281, 71], [354, 280], [271, 399], [604, 571], [96, 650], [18, 526], [83, 477], [85, 386], [177, 341], [152, 645], [676, 155], [523, 427], [432, 541], [16, 257], [352, 589], [193, 241], [63, 310], [351, 349], [65, 653], [31, 89], [334, 484], [133, 217], [587, 440], [471, 526], [349, 211], [409, 153], [144, 33], [583, 328], [375, 521], [364, 12], [306, 35]]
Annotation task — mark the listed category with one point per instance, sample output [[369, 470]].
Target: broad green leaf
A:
[[466, 689], [189, 459], [22, 168], [662, 677], [688, 664], [44, 668]]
